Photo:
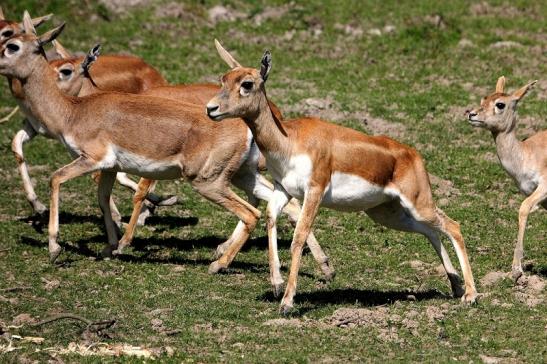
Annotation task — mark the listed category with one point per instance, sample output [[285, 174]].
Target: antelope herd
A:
[[116, 115]]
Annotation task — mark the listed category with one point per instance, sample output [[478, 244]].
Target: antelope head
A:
[[242, 93], [496, 111], [20, 53], [72, 71], [10, 28]]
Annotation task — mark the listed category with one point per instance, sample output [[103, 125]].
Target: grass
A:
[[419, 75]]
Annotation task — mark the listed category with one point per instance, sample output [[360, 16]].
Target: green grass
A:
[[417, 75]]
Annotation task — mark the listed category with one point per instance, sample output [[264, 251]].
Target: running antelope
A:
[[147, 136], [117, 73], [525, 162], [247, 177], [337, 167]]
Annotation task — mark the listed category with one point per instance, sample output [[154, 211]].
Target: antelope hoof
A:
[[38, 207], [277, 289], [469, 298], [215, 267], [285, 309], [107, 252], [328, 272], [516, 273], [54, 253], [119, 250]]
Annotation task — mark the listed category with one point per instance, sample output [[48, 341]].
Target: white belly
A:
[[352, 193], [345, 191], [128, 162]]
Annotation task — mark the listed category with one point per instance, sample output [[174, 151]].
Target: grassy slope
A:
[[417, 76]]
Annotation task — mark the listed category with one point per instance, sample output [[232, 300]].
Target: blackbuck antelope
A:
[[117, 73], [192, 93], [525, 161], [151, 137], [337, 167]]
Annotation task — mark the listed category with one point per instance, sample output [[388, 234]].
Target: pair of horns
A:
[[47, 37], [265, 63]]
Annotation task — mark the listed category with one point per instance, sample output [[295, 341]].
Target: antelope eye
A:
[[247, 85], [12, 47], [500, 105], [7, 33], [66, 72]]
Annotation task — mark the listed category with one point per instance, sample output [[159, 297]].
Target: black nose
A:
[[471, 114], [210, 109]]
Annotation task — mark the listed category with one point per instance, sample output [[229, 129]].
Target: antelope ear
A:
[[60, 50], [265, 65], [226, 56], [27, 23], [500, 85], [50, 35], [90, 58], [519, 94], [2, 17]]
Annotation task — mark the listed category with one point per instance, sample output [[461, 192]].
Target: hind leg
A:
[[526, 207], [453, 276], [395, 216], [451, 229]]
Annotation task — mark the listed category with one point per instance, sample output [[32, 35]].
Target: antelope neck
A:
[[269, 134], [45, 100]]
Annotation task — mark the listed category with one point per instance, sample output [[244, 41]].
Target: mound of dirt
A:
[[492, 278], [530, 290]]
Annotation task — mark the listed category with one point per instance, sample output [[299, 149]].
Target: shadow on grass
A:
[[146, 251], [539, 269], [40, 222], [310, 301], [170, 221]]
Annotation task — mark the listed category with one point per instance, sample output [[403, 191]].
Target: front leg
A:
[[77, 167], [527, 205], [312, 200], [138, 199], [277, 202], [20, 138], [106, 183]]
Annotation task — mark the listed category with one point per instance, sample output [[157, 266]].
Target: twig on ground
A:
[[10, 115], [11, 289], [93, 326]]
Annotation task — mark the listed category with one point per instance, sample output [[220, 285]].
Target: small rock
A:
[[374, 31], [506, 44]]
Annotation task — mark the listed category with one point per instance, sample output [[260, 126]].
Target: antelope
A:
[[116, 73], [525, 161], [326, 164], [196, 94], [151, 137]]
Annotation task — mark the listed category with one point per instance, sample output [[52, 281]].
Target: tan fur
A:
[[332, 149], [114, 132], [199, 94], [525, 161]]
